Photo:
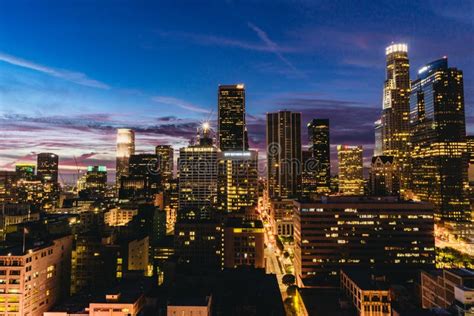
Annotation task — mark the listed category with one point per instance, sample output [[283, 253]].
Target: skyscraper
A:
[[47, 173], [237, 180], [198, 174], [284, 154], [144, 177], [47, 167], [231, 118], [439, 148], [396, 109], [95, 183], [166, 154], [378, 151], [125, 148], [318, 131], [351, 180]]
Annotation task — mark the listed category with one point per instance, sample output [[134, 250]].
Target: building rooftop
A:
[[189, 299], [366, 280], [359, 200]]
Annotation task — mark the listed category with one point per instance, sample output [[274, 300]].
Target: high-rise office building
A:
[[284, 154], [383, 177], [378, 151], [8, 187], [144, 178], [95, 183], [439, 150], [47, 173], [396, 109], [47, 167], [351, 179], [166, 154], [237, 180], [308, 174], [125, 148], [338, 232], [25, 171], [198, 174], [318, 132], [231, 118]]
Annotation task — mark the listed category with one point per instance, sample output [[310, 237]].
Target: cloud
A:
[[273, 47], [76, 77], [181, 103], [212, 40]]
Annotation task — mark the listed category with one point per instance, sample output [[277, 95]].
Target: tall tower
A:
[[237, 180], [198, 174], [351, 178], [231, 131], [396, 110], [439, 148], [284, 154], [318, 132], [47, 167], [166, 154], [125, 148]]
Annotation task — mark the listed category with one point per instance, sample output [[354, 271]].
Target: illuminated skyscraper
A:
[[378, 138], [231, 118], [47, 167], [351, 180], [95, 182], [284, 154], [125, 148], [47, 172], [396, 109], [166, 154], [237, 180], [439, 149], [144, 177], [198, 174], [318, 131]]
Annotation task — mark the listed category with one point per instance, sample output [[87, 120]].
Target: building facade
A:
[[237, 180], [125, 148], [439, 149], [244, 243], [198, 175], [351, 177], [284, 158], [231, 127], [339, 232], [383, 178], [396, 109], [35, 280], [318, 132]]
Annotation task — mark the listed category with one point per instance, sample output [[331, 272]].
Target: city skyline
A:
[[47, 96]]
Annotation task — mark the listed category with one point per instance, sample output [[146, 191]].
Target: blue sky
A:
[[73, 71]]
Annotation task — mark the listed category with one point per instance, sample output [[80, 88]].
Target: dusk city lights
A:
[[227, 158]]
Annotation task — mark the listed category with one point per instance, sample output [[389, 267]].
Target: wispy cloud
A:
[[181, 103], [273, 47], [72, 76], [213, 40]]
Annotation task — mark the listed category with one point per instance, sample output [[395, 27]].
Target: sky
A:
[[71, 72]]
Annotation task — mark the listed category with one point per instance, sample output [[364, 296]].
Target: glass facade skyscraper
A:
[[396, 109], [439, 150], [318, 132], [351, 179], [231, 118], [284, 154]]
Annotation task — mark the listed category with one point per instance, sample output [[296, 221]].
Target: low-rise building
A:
[[369, 295]]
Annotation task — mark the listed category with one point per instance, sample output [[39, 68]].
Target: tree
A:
[[291, 290], [288, 279]]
